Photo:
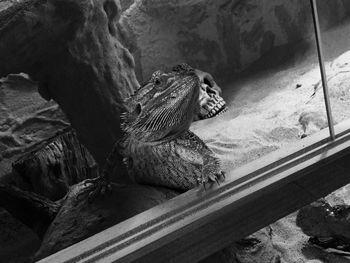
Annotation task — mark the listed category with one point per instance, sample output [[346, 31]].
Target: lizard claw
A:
[[223, 174], [214, 178], [101, 186]]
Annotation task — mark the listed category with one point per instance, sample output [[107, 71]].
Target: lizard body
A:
[[180, 163], [158, 147]]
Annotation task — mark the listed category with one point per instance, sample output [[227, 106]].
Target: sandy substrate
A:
[[269, 111]]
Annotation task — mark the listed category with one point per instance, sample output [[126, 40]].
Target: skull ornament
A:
[[211, 102]]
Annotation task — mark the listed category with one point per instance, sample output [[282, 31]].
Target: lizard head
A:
[[164, 106]]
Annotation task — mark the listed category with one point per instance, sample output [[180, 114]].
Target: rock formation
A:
[[73, 50], [222, 37], [52, 167]]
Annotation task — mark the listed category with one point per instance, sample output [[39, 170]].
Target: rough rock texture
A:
[[71, 50], [256, 248], [125, 4], [323, 220], [53, 166], [25, 119], [312, 122], [49, 170], [81, 63], [222, 36], [82, 66]]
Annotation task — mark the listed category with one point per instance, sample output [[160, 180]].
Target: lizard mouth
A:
[[212, 108]]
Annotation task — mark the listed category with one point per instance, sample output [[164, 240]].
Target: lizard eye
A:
[[137, 109]]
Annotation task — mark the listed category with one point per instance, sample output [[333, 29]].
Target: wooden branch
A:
[[80, 218], [51, 167], [33, 210], [73, 49]]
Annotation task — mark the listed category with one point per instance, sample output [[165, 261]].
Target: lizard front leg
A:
[[102, 183], [101, 186], [212, 172]]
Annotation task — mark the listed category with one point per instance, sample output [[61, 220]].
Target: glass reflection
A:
[[334, 25], [270, 95], [257, 58]]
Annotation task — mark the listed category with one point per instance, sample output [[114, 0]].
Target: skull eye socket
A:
[[157, 77], [210, 87], [157, 81], [206, 81]]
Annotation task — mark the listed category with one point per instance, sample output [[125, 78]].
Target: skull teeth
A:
[[219, 108]]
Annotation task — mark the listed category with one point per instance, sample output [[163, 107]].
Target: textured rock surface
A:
[[81, 63], [53, 166], [256, 248], [125, 4], [221, 37], [25, 119]]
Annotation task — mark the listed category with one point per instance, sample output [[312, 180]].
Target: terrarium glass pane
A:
[[176, 93], [267, 71], [335, 28]]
